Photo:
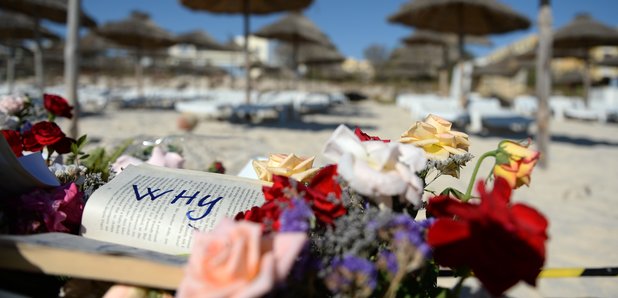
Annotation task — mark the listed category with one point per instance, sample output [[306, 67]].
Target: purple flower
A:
[[352, 275], [56, 210], [295, 218], [387, 261], [410, 231]]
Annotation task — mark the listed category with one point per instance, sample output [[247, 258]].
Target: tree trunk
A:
[[71, 65], [543, 81]]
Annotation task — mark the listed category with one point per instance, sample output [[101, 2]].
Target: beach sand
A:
[[578, 193]]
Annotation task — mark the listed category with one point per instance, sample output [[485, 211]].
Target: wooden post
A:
[[543, 81], [246, 12], [10, 68], [71, 64], [38, 57]]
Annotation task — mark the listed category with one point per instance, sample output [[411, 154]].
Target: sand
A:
[[578, 193]]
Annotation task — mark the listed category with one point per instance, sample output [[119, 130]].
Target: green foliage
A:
[[77, 153], [449, 191], [98, 161]]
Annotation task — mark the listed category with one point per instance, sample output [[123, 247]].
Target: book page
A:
[[20, 175], [159, 208]]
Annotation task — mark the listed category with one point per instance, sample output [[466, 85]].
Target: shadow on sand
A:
[[305, 125]]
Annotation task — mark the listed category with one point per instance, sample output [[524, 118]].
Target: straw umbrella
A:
[[200, 39], [295, 29], [246, 7], [426, 37], [13, 28], [138, 32], [584, 33], [463, 17], [611, 62], [320, 56], [316, 54], [53, 10]]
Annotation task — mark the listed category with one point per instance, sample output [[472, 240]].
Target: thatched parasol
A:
[[462, 17], [446, 41], [138, 32], [15, 27], [246, 7], [319, 54], [295, 29], [53, 10], [505, 68], [418, 55], [200, 39], [584, 33], [611, 62], [430, 37], [92, 44]]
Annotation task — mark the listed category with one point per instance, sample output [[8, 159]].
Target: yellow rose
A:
[[515, 162], [434, 135], [289, 165]]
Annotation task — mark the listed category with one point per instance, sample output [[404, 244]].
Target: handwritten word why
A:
[[204, 203]]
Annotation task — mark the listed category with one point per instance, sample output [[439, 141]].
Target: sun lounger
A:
[[488, 114]]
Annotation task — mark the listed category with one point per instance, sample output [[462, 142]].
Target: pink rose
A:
[[235, 260], [159, 158], [162, 158], [11, 105]]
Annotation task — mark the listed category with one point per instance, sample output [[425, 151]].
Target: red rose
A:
[[365, 137], [30, 143], [13, 137], [325, 195], [57, 105], [501, 243], [47, 133], [252, 214], [63, 146]]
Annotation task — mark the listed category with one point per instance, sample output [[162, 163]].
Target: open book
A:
[[19, 175], [136, 227]]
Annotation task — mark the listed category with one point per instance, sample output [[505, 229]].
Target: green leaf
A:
[[449, 191], [502, 157]]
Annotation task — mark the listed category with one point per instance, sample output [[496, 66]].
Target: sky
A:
[[352, 25]]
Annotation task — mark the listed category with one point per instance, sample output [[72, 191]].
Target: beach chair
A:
[[487, 114], [217, 104]]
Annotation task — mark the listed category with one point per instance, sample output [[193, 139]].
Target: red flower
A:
[[63, 146], [57, 105], [29, 142], [365, 137], [14, 139], [47, 133], [501, 243], [325, 195]]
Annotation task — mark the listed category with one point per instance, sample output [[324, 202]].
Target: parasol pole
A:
[[586, 76], [460, 46], [139, 73], [443, 76], [10, 68], [38, 56], [71, 66], [245, 8], [543, 81]]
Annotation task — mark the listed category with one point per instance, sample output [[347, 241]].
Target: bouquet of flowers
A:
[[364, 226], [353, 228]]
